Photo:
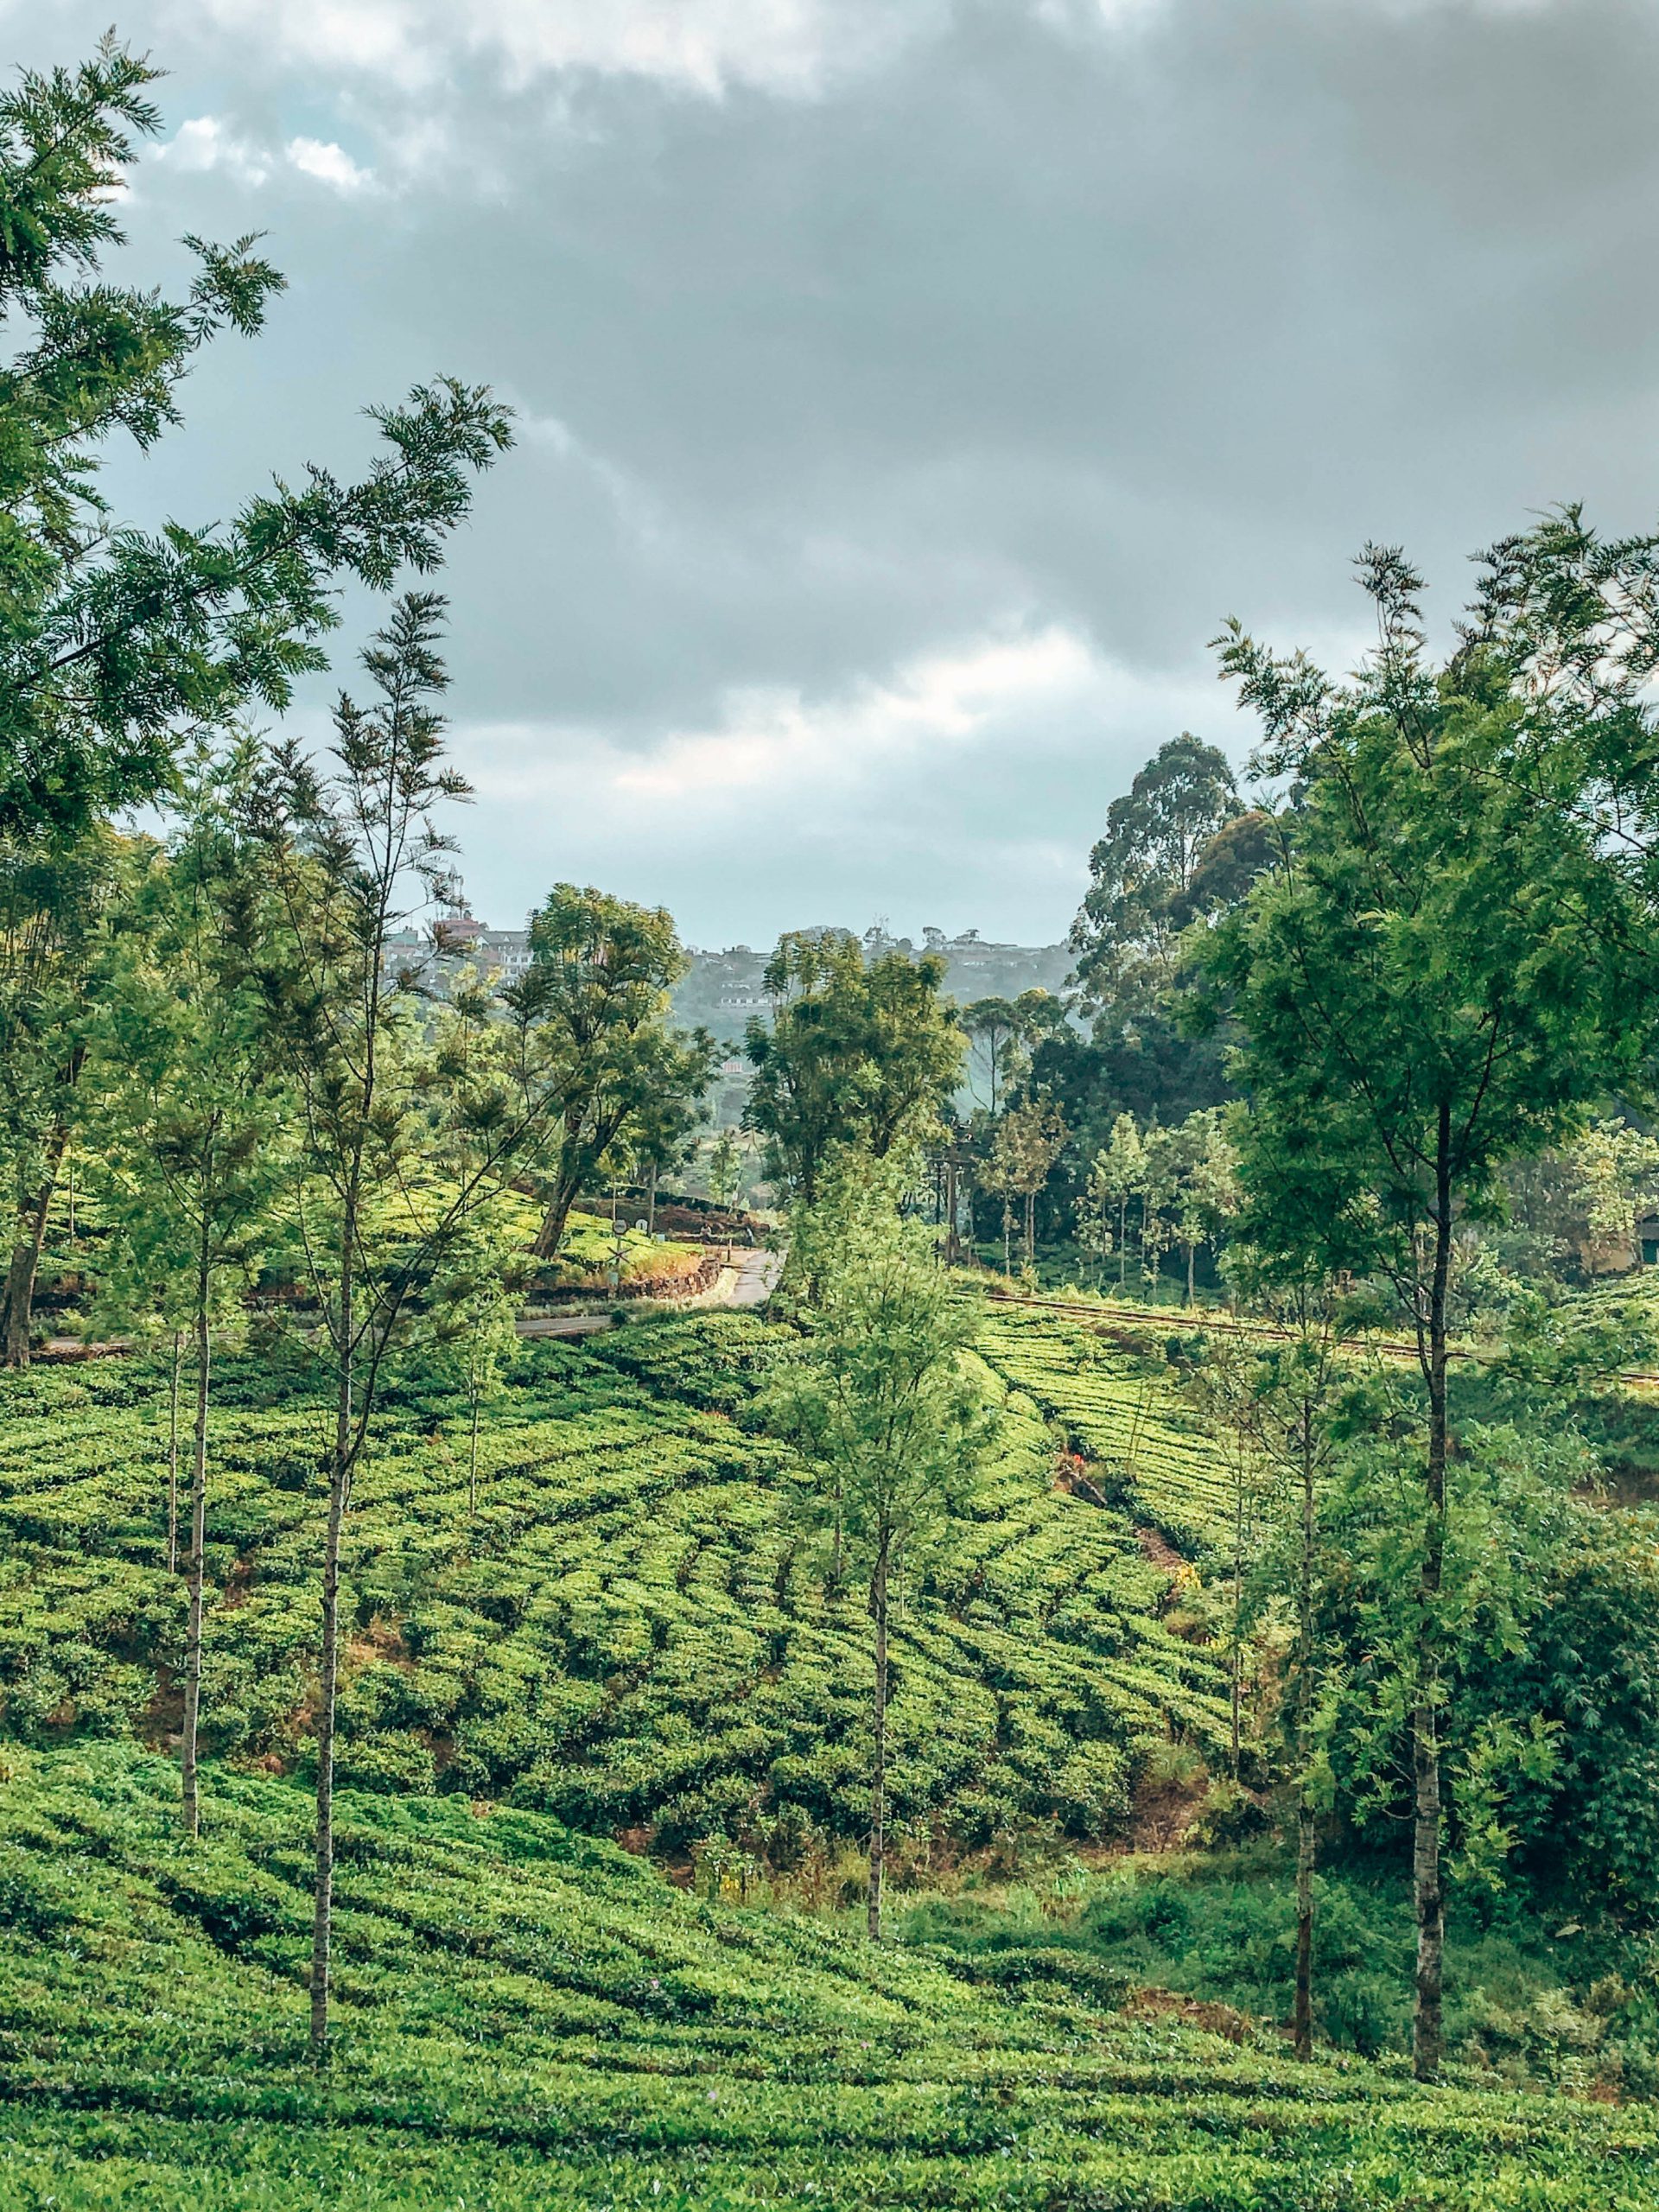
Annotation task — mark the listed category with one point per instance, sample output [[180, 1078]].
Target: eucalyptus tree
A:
[[192, 1120], [1429, 984], [1143, 867], [402, 1138], [887, 1403]]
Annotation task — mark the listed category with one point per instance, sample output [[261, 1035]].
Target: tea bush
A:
[[529, 2019], [628, 1634]]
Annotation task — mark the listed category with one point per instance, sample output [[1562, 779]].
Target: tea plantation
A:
[[1152, 1451], [530, 2018], [630, 1633]]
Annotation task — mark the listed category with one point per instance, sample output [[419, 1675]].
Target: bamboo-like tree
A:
[[887, 1404]]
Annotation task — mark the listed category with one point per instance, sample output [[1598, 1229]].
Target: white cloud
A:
[[702, 46], [772, 740], [328, 163], [205, 144], [914, 795]]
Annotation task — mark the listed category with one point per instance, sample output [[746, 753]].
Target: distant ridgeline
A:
[[723, 989]]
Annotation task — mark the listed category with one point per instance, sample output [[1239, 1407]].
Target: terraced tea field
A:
[[629, 1634], [529, 2019], [1153, 1450]]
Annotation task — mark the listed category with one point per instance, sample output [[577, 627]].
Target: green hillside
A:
[[629, 1635], [1124, 1412], [530, 2020]]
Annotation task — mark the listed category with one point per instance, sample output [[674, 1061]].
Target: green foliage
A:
[[113, 639], [1143, 869], [859, 1056], [593, 1006]]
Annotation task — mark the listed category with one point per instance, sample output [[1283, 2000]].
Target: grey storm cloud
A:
[[907, 392]]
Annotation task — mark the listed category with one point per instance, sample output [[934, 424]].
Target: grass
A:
[[529, 2019]]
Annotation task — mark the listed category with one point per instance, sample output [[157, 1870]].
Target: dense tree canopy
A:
[[858, 1053]]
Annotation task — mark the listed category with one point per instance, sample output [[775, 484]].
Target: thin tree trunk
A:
[[172, 1454], [1306, 1846], [1425, 2037], [472, 1465], [1031, 1229], [323, 1901], [25, 1264], [650, 1202], [1190, 1294], [1007, 1230], [1306, 1834], [1238, 1602], [1123, 1242], [879, 1768], [198, 1541]]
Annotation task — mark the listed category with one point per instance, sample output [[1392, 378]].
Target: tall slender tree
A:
[[1420, 999], [893, 1414], [192, 1115], [402, 1140]]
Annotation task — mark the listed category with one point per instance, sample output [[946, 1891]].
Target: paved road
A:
[[749, 1281], [757, 1278]]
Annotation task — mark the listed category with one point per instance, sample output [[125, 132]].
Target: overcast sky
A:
[[907, 390]]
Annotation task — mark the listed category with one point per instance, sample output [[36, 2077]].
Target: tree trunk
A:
[[172, 1454], [879, 1768], [1426, 2033], [1238, 1604], [1123, 1242], [472, 1465], [1031, 1229], [1007, 1230], [323, 1900], [1191, 1293], [1306, 1836], [650, 1202], [551, 1232], [198, 1541], [25, 1263], [1302, 2016]]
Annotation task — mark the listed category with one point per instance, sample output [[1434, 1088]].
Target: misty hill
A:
[[723, 989]]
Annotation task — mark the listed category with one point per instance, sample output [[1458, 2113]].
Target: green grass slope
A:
[[629, 1633], [529, 2018]]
